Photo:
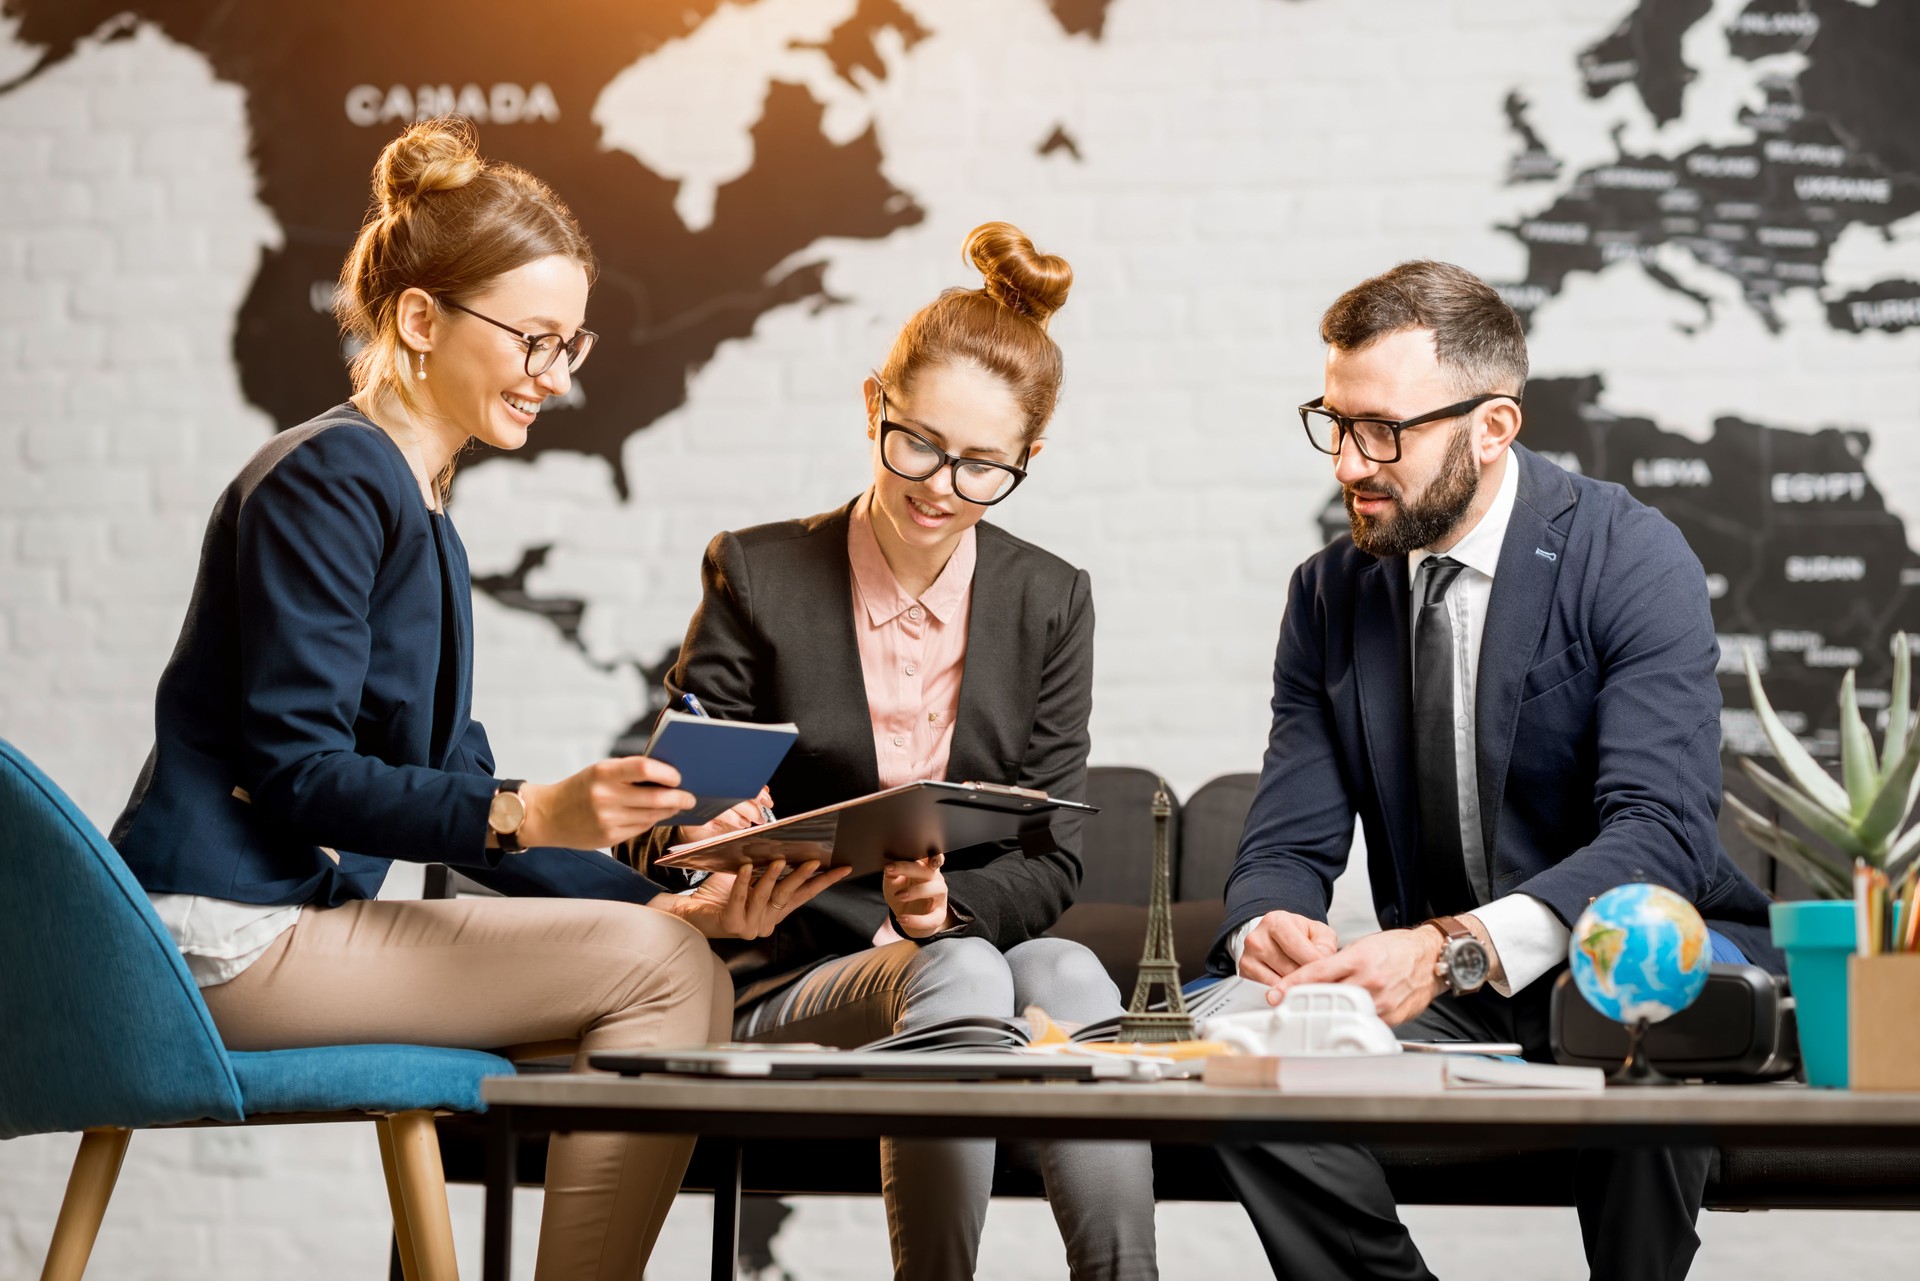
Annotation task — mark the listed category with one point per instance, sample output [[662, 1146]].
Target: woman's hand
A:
[[744, 815], [917, 893], [604, 804], [732, 905]]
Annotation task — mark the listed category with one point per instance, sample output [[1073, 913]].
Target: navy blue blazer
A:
[[1597, 715], [314, 721]]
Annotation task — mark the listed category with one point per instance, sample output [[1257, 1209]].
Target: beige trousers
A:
[[497, 973]]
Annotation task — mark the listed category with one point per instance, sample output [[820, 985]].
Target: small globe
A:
[[1640, 952]]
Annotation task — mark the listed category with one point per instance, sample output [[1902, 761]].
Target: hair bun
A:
[[433, 155], [1019, 276]]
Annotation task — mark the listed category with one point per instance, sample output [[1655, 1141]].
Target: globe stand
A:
[[1638, 1070]]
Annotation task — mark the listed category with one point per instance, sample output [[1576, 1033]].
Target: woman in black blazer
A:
[[908, 640], [314, 721]]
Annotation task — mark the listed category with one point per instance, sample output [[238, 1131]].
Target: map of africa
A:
[[1807, 567]]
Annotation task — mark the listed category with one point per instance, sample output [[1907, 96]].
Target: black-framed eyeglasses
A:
[[1378, 439], [542, 349], [911, 456]]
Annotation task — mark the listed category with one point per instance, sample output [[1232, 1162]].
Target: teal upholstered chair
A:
[[103, 1031]]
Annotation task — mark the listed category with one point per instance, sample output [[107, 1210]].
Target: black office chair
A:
[[1210, 835], [1116, 845], [1109, 914]]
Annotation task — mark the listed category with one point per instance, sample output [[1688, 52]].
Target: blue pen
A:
[[690, 704]]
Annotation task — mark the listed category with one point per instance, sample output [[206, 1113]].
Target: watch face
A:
[[507, 812], [1467, 965]]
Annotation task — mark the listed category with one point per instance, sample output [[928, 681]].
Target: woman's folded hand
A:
[[917, 895]]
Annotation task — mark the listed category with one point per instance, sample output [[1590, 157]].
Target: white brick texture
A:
[[1244, 161]]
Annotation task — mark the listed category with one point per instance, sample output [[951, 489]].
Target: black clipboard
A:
[[907, 822]]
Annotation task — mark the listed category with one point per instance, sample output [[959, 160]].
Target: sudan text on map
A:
[[1833, 147]]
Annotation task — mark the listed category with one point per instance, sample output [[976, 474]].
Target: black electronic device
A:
[[794, 1063], [1740, 1029]]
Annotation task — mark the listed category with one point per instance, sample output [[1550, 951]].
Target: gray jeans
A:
[[937, 1189]]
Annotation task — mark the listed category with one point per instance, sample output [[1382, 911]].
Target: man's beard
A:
[[1435, 515]]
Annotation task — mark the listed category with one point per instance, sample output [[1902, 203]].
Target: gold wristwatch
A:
[[505, 815]]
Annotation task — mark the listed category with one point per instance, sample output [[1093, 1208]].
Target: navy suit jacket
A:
[[1597, 718], [314, 721]]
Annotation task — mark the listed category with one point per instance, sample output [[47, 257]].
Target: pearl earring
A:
[[421, 369]]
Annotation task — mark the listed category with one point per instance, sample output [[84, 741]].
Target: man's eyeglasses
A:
[[911, 456], [1378, 439], [542, 349]]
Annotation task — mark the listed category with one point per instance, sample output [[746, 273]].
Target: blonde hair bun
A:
[[433, 155], [1018, 275]]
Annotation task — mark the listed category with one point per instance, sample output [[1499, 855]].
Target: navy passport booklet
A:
[[721, 762]]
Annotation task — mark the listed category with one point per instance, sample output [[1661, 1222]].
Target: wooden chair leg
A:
[[417, 1186], [409, 1270], [96, 1167]]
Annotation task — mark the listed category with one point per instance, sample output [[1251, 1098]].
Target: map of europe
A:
[[1832, 149], [1806, 566]]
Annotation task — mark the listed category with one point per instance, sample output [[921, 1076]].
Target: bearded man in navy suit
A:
[[1507, 674]]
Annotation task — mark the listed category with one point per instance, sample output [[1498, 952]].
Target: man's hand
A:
[[1281, 943], [1395, 965], [917, 895]]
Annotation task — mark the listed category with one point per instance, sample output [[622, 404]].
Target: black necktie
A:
[[1443, 867]]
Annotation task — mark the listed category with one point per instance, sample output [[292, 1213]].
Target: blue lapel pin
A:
[[1544, 554]]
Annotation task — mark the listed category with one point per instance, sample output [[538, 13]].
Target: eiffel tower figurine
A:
[[1157, 963]]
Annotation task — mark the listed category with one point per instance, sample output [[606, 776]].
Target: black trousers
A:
[[1323, 1210]]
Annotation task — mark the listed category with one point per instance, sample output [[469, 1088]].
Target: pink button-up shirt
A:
[[912, 653]]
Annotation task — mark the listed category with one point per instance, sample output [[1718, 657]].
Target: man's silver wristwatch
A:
[[1464, 963], [505, 815]]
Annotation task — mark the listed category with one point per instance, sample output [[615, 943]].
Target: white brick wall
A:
[[1245, 160]]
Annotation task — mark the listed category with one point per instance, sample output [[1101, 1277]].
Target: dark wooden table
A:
[[1172, 1112]]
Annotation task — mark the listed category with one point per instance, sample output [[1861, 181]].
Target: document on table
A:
[[1394, 1074]]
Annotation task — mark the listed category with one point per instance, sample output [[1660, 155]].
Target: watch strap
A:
[[508, 841], [1450, 928]]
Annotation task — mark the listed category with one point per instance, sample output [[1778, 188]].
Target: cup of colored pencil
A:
[[1886, 913]]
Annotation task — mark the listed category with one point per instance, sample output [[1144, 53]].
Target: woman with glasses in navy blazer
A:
[[314, 723]]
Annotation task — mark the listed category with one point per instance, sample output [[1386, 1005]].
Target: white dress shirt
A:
[[218, 938], [1528, 937]]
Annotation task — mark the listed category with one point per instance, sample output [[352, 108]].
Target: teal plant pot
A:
[[1818, 938]]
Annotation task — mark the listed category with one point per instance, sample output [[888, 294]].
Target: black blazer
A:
[[773, 640], [314, 721], [1597, 714]]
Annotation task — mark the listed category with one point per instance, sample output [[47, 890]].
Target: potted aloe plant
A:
[[1858, 817]]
